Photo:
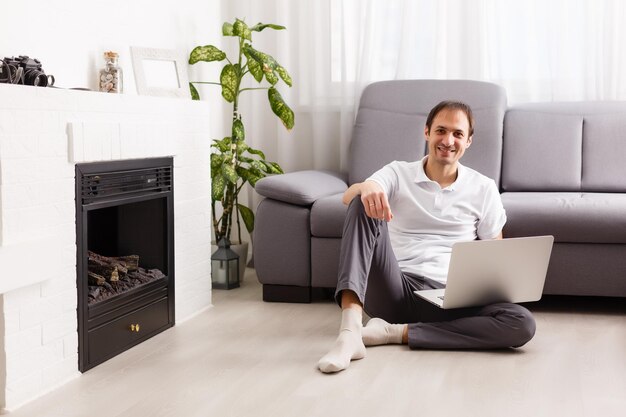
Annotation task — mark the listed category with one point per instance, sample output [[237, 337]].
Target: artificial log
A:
[[130, 262], [98, 260], [95, 279], [124, 264], [103, 268]]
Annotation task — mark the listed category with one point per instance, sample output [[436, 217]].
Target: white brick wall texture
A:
[[43, 133]]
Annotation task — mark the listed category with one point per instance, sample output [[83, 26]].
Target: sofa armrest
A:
[[302, 188]]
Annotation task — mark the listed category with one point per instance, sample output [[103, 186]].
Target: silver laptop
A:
[[483, 272]]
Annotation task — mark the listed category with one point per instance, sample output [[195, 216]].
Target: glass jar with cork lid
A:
[[111, 79]]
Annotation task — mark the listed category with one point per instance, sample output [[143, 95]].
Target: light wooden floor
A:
[[244, 357]]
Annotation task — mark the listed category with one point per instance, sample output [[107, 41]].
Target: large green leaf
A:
[[223, 145], [245, 159], [229, 173], [254, 178], [194, 93], [260, 26], [216, 162], [272, 167], [241, 148], [284, 75], [242, 30], [269, 66], [271, 77], [254, 66], [257, 152], [243, 172], [227, 29], [246, 174], [280, 108], [258, 166], [238, 131], [228, 79], [264, 168], [248, 217], [218, 184], [277, 168], [250, 173], [207, 53], [268, 63]]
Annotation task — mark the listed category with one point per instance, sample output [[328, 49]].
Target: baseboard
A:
[[286, 294]]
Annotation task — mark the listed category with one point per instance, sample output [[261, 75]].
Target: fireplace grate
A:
[[96, 187]]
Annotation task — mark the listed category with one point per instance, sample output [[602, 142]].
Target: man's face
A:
[[448, 137]]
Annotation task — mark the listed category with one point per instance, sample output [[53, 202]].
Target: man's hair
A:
[[451, 105]]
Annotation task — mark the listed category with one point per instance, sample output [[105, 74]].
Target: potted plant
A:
[[233, 162]]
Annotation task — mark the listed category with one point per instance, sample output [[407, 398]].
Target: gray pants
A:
[[369, 267]]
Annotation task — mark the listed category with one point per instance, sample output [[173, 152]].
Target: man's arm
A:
[[373, 198]]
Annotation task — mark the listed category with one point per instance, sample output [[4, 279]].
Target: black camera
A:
[[24, 70]]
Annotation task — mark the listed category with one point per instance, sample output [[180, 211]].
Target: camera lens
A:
[[36, 78]]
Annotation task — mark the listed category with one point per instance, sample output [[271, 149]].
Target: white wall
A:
[[70, 36]]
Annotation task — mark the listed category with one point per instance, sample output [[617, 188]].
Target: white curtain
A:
[[538, 50]]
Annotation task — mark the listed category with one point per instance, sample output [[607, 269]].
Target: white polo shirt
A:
[[427, 219]]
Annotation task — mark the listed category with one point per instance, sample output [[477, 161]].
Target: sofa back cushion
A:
[[390, 124], [604, 151], [565, 147]]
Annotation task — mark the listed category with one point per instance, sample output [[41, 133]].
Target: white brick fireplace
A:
[[43, 133]]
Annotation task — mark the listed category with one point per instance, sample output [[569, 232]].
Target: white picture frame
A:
[[160, 72]]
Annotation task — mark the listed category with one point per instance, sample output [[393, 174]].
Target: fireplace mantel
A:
[[44, 132]]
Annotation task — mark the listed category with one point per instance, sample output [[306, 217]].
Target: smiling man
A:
[[398, 235]]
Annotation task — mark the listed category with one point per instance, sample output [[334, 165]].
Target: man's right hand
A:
[[373, 198]]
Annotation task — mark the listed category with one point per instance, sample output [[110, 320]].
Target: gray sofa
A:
[[561, 168]]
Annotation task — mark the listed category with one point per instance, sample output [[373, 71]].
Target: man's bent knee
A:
[[357, 203]]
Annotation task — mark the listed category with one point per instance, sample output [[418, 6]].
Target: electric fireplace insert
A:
[[125, 255]]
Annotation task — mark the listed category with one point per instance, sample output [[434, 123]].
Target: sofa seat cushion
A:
[[327, 215], [569, 217]]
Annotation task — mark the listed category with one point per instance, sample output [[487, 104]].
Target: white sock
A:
[[379, 332], [348, 345]]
